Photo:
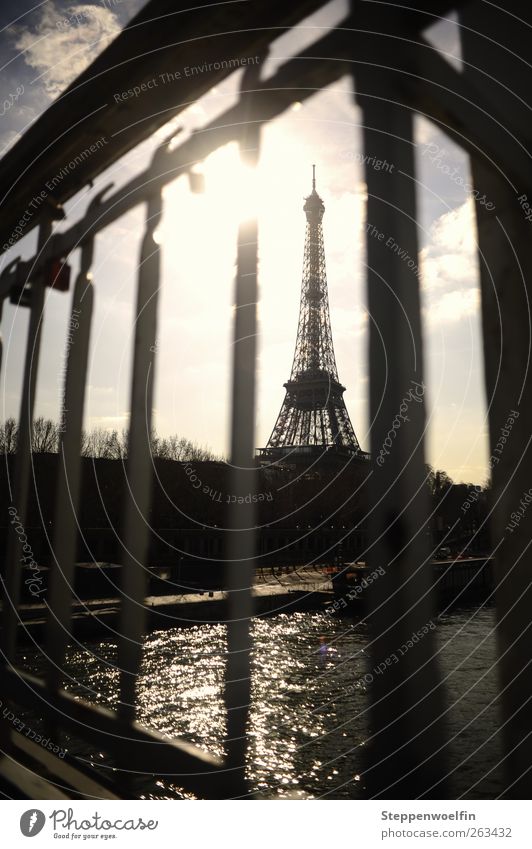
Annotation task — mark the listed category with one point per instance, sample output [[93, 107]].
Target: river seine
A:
[[306, 735]]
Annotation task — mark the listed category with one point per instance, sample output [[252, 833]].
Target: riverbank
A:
[[306, 589]]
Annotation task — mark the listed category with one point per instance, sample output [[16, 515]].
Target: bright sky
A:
[[198, 238]]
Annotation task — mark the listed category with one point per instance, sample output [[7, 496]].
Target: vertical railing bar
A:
[[242, 538], [405, 756], [12, 581], [69, 471], [242, 520], [243, 480], [1, 338], [138, 464], [505, 261]]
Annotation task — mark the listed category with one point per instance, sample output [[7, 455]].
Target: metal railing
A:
[[396, 75]]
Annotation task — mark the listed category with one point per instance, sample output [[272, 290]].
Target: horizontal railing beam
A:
[[298, 79], [29, 762], [131, 89], [426, 82], [145, 751]]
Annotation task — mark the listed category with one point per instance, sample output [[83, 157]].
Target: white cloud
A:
[[456, 230], [449, 267], [92, 389], [109, 422], [61, 45], [454, 306]]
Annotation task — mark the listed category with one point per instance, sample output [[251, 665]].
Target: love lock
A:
[[57, 274]]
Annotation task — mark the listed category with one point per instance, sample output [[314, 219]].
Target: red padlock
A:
[[58, 275]]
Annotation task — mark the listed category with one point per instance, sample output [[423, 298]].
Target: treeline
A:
[[459, 512], [440, 483], [101, 443]]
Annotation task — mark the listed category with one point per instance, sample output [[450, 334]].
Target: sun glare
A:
[[231, 185], [239, 191]]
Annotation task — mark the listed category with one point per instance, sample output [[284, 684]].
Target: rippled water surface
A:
[[306, 734]]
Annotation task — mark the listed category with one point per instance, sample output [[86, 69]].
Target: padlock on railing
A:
[[57, 274]]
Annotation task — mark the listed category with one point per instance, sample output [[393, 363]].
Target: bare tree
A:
[[8, 436], [114, 446], [45, 437], [198, 452], [101, 443], [85, 443], [442, 482], [95, 443], [181, 449]]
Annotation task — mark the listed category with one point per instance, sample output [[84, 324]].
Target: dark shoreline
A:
[[100, 618], [459, 582]]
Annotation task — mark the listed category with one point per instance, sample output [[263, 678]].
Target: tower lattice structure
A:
[[313, 416]]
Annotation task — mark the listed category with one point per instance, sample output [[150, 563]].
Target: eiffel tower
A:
[[313, 423]]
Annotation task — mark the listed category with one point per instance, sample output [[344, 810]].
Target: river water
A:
[[306, 735]]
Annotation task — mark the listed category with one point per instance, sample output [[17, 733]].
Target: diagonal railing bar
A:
[[159, 36], [242, 537], [142, 749], [459, 107], [297, 80]]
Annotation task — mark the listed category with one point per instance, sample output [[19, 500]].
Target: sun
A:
[[232, 186], [238, 191]]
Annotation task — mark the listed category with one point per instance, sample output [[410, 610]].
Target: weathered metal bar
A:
[[69, 471], [462, 110], [353, 47], [420, 70], [430, 85], [96, 115], [298, 79], [242, 536], [58, 771], [144, 750], [242, 540], [138, 464], [19, 552], [406, 699], [1, 337]]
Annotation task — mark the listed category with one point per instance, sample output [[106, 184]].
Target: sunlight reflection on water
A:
[[306, 734]]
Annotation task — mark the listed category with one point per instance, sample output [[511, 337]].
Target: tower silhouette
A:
[[313, 421]]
